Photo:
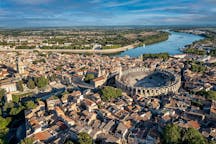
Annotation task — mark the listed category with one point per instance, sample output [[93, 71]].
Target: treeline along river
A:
[[175, 42]]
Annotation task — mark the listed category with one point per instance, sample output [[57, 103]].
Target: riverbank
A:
[[153, 39], [175, 42]]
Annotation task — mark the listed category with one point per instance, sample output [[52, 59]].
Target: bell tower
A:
[[120, 71], [99, 72], [20, 66]]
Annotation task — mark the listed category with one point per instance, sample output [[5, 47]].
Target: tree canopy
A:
[[172, 134], [16, 110], [196, 67], [109, 93], [30, 105], [211, 95], [193, 136], [31, 84], [84, 138], [20, 86], [41, 81], [2, 94], [4, 122], [27, 141], [158, 55], [89, 77]]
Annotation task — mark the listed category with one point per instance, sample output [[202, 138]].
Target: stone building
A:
[[172, 87], [20, 66]]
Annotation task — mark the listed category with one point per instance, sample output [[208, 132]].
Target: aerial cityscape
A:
[[107, 72]]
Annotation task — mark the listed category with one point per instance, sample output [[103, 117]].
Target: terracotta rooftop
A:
[[42, 136], [99, 79], [193, 124]]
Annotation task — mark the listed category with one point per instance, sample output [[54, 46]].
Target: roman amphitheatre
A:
[[142, 81]]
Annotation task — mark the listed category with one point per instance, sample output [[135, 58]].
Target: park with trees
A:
[[173, 134], [108, 93]]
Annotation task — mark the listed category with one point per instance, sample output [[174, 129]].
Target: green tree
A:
[[89, 77], [20, 86], [27, 141], [172, 134], [3, 133], [4, 122], [109, 93], [193, 136], [31, 84], [2, 94], [8, 106], [69, 142], [41, 81], [30, 105], [84, 138], [211, 95], [212, 142], [15, 98], [163, 56], [16, 110]]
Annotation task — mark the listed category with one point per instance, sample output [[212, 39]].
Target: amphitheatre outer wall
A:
[[173, 87]]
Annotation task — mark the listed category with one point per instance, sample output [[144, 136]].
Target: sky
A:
[[45, 13]]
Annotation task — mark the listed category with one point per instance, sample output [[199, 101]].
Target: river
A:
[[175, 42]]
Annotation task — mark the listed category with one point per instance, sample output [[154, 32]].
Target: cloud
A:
[[167, 8], [31, 2], [117, 4], [3, 12], [105, 12], [96, 1]]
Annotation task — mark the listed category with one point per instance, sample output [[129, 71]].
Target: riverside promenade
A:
[[103, 51]]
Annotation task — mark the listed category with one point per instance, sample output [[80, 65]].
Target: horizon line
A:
[[95, 26]]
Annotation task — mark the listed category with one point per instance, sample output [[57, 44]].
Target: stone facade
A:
[[173, 87]]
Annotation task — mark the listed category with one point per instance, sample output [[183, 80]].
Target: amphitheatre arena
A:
[[142, 81]]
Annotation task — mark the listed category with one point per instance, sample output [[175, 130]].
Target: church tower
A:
[[20, 66], [120, 71], [99, 72]]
